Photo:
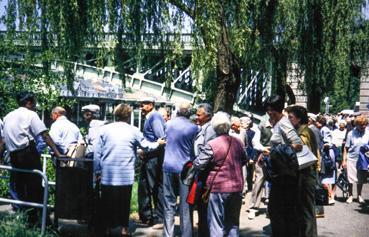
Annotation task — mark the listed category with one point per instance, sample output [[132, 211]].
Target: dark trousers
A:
[[283, 207], [202, 208], [116, 202], [249, 176], [150, 190], [308, 227], [28, 186]]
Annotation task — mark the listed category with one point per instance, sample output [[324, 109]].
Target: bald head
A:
[[57, 112], [184, 109]]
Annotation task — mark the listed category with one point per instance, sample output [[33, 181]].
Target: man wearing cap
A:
[[91, 113], [62, 131], [150, 187], [21, 126]]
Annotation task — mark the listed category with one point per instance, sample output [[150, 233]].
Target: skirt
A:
[[351, 171], [116, 201]]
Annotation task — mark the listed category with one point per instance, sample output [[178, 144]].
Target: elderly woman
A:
[[114, 159], [356, 138], [328, 158], [308, 176], [283, 197], [224, 156]]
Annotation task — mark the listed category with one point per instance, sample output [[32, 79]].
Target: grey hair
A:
[[184, 109], [207, 108], [221, 123], [59, 110]]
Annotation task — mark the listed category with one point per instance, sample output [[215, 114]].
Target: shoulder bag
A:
[[206, 194]]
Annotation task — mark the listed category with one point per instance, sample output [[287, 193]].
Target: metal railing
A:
[[31, 204]]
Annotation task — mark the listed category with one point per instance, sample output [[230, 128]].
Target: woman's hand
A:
[[161, 141], [297, 147]]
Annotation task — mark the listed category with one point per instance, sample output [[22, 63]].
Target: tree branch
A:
[[183, 7]]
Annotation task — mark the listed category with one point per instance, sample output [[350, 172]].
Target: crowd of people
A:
[[223, 156]]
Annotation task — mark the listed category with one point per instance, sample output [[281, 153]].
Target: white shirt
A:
[[64, 132], [93, 132], [20, 127], [338, 136]]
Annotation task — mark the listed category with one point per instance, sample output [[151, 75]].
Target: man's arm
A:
[[45, 135], [205, 156], [2, 147]]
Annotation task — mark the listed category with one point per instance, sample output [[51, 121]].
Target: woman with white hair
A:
[[224, 156]]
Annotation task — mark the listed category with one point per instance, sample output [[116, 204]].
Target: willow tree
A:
[[230, 38], [332, 43]]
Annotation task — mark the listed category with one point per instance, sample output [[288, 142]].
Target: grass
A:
[[134, 200], [14, 225]]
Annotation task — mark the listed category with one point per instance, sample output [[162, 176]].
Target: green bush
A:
[[15, 225]]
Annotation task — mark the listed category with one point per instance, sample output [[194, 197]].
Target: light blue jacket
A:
[[115, 152]]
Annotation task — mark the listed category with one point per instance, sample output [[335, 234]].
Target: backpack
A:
[[328, 162]]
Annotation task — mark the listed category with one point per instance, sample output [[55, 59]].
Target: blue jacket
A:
[[181, 134]]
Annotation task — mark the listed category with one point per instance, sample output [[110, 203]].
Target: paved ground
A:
[[341, 219]]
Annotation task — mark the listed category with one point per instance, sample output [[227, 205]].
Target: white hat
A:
[[95, 109], [147, 100], [312, 116]]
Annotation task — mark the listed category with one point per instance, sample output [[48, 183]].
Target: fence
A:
[[31, 204]]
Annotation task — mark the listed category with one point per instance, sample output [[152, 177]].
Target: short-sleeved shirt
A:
[[20, 127], [64, 132], [356, 139], [284, 133]]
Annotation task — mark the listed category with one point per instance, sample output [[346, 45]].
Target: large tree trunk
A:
[[228, 73], [313, 100]]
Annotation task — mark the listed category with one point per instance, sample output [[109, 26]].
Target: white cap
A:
[[95, 109], [312, 116]]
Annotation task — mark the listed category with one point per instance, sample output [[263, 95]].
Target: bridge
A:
[[106, 83]]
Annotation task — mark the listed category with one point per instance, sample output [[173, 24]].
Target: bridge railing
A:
[[21, 37]]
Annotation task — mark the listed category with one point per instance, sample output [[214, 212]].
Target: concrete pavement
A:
[[341, 220]]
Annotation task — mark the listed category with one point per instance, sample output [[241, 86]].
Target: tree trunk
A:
[[228, 73], [313, 100]]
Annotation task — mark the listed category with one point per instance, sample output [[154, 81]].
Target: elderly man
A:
[[91, 114], [181, 133], [21, 128], [204, 114], [62, 131], [150, 187]]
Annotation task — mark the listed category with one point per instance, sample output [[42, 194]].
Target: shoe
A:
[[349, 199], [159, 226], [252, 214], [360, 199], [331, 201]]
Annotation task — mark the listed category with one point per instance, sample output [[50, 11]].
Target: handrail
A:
[[31, 204]]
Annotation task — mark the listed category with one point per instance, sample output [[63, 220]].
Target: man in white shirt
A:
[[21, 126], [62, 131], [91, 114]]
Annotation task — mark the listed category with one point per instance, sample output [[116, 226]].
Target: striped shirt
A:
[[115, 152]]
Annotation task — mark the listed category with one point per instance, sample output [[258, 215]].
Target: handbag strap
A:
[[225, 158]]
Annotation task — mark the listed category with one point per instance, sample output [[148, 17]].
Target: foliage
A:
[[331, 44], [15, 225], [231, 40]]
